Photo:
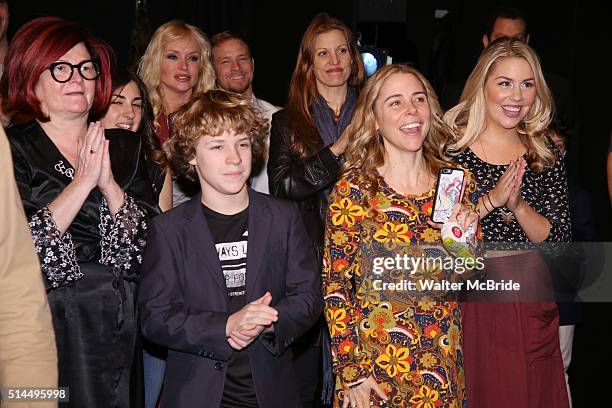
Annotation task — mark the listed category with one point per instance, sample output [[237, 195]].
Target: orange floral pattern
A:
[[412, 348]]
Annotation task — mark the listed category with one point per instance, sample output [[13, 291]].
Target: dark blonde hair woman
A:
[[393, 349], [500, 126]]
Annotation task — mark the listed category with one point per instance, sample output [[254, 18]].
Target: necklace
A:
[[505, 214]]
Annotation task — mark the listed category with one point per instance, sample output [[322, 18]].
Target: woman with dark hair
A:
[[86, 195], [306, 144], [131, 109]]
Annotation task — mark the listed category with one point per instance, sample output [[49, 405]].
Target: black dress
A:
[[91, 272]]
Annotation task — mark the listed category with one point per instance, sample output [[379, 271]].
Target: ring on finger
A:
[[92, 151]]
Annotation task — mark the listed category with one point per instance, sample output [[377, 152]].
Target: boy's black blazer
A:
[[183, 300]]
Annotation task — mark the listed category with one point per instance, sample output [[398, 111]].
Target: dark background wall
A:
[[572, 39]]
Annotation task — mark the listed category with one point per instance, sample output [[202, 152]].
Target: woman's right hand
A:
[[341, 144], [89, 156], [359, 396], [501, 192]]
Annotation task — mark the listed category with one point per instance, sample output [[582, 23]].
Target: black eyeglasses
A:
[[62, 71]]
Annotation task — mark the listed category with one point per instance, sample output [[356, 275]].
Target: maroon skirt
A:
[[511, 349]]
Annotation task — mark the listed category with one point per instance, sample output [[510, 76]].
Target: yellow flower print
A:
[[430, 235], [349, 373], [426, 304], [339, 238], [391, 233], [428, 360], [381, 318], [335, 319], [425, 398], [395, 360], [333, 287], [369, 295], [345, 211]]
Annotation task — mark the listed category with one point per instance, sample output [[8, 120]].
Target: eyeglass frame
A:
[[78, 66]]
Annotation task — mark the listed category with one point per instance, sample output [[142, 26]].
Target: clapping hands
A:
[[244, 326]]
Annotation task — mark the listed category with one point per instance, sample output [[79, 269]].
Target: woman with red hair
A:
[[86, 214]]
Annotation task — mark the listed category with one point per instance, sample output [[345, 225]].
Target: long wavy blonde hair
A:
[[149, 69], [468, 118], [366, 150]]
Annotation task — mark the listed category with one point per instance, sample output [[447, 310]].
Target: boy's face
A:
[[223, 163]]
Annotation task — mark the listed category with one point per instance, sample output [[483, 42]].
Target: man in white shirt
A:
[[234, 68]]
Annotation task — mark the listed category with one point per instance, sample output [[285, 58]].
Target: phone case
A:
[[448, 193]]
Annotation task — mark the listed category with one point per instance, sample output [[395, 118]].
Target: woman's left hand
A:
[[463, 215], [107, 184], [515, 199], [106, 181]]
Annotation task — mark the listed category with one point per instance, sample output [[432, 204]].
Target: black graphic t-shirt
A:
[[230, 233]]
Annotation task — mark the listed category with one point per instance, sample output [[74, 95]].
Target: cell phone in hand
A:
[[449, 191]]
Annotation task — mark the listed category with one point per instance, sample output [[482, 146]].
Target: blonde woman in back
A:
[[175, 66]]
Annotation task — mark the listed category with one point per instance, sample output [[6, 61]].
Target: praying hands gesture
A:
[[92, 169], [507, 191], [248, 323]]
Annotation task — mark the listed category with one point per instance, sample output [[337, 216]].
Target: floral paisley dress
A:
[[411, 345]]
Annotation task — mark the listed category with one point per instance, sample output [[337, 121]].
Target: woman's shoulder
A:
[[281, 117], [22, 130]]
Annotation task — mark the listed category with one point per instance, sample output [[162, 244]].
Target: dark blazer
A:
[[301, 180], [184, 300]]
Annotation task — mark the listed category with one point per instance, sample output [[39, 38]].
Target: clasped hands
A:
[[244, 326], [507, 191], [93, 167]]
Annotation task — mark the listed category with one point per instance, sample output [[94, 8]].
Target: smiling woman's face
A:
[[402, 112], [332, 59], [125, 110]]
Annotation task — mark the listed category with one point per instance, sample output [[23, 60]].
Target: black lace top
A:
[[545, 192]]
